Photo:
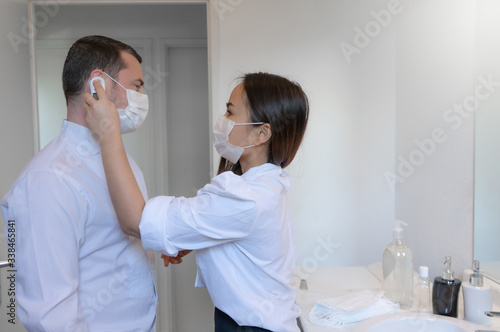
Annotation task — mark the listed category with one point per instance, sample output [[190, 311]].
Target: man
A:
[[76, 269]]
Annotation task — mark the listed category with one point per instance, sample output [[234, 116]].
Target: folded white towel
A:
[[350, 308]]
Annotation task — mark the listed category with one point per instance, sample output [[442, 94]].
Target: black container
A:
[[445, 291], [445, 296]]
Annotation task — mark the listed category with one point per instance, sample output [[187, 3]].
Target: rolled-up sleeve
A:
[[222, 211], [153, 224]]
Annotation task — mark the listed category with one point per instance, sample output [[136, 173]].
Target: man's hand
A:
[[175, 260]]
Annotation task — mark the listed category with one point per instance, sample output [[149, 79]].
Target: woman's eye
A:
[[229, 112]]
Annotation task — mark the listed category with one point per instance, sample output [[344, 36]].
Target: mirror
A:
[[487, 140]]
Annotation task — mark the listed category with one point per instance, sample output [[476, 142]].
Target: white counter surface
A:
[[332, 281], [327, 282]]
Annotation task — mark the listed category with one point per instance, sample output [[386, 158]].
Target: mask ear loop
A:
[[114, 80], [246, 124], [249, 123]]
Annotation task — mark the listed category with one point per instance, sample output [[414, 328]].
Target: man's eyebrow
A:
[[229, 104]]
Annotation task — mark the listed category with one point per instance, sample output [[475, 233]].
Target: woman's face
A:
[[238, 112]]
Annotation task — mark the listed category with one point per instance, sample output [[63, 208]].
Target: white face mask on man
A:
[[221, 132], [135, 113]]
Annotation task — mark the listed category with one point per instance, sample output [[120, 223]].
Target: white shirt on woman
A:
[[242, 233], [75, 268]]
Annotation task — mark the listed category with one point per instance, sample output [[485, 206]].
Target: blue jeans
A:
[[224, 323]]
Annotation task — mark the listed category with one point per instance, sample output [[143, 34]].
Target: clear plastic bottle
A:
[[424, 291], [397, 267]]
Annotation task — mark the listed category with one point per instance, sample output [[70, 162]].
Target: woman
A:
[[239, 224]]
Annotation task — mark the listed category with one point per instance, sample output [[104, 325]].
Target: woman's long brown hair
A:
[[283, 104]]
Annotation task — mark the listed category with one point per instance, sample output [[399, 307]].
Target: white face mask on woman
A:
[[134, 115], [221, 132]]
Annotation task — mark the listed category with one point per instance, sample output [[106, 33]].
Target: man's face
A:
[[130, 77]]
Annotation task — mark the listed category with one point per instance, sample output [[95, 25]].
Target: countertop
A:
[[325, 282]]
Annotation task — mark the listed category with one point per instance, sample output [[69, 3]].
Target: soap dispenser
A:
[[477, 298], [397, 267], [445, 291]]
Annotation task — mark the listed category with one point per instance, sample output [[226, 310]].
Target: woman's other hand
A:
[[102, 116], [174, 260]]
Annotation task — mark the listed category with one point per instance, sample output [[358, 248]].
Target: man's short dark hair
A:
[[89, 53]]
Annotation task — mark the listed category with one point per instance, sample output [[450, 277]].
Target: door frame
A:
[[213, 18], [165, 319]]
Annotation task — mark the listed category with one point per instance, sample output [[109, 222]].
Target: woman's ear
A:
[[264, 133]]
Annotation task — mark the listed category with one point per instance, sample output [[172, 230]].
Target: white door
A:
[[188, 100], [172, 147]]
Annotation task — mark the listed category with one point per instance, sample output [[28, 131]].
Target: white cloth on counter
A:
[[350, 308]]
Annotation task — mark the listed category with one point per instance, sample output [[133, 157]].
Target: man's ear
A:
[[264, 133], [95, 73]]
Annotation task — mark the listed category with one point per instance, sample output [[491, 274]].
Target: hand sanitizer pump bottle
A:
[[397, 266]]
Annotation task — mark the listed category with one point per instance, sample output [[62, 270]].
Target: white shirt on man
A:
[[75, 268]]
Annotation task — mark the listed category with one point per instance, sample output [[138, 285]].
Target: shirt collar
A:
[[84, 141], [270, 169]]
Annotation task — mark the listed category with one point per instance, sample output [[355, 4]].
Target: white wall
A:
[[434, 72], [380, 75], [339, 194], [16, 117], [16, 125]]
